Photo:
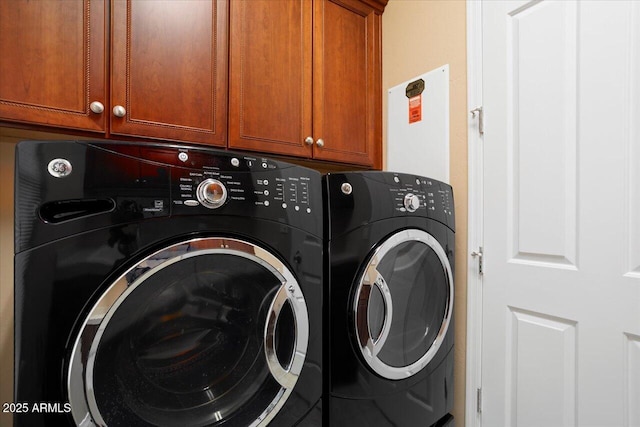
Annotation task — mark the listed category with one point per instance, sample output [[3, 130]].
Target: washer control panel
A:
[[205, 181], [243, 185], [214, 189]]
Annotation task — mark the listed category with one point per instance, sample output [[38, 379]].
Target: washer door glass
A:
[[205, 332], [403, 304]]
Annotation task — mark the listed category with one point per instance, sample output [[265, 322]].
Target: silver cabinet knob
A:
[[320, 142], [96, 107], [119, 111], [308, 140]]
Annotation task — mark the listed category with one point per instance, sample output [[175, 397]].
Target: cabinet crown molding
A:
[[378, 5]]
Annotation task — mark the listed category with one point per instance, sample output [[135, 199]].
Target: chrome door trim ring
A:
[[79, 376], [286, 377], [368, 348], [373, 278]]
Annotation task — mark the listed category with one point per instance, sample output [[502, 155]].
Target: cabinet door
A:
[[169, 69], [347, 83], [270, 76], [52, 64]]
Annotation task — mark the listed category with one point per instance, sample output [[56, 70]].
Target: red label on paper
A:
[[415, 109]]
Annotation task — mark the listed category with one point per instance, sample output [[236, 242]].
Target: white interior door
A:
[[561, 285]]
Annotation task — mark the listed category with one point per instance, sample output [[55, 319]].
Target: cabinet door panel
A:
[[169, 69], [52, 62], [270, 76], [347, 106]]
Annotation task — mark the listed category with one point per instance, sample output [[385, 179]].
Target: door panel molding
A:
[[632, 388], [632, 210], [539, 135], [526, 361]]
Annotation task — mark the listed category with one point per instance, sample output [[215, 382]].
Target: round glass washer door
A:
[[403, 304], [204, 332]]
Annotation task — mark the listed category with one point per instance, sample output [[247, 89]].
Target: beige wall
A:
[[418, 36], [6, 275]]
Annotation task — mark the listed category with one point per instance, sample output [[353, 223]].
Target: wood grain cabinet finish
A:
[[169, 69], [270, 77], [300, 78], [305, 79], [53, 63]]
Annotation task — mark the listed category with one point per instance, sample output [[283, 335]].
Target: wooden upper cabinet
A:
[[53, 63], [347, 91], [270, 76], [305, 79], [169, 70], [300, 78]]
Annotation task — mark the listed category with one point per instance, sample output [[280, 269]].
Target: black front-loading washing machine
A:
[[389, 305], [165, 285]]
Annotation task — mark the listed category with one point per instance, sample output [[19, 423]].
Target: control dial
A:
[[211, 193], [411, 202]]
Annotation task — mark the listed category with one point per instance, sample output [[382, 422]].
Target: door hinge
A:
[[479, 400], [480, 112], [480, 255]]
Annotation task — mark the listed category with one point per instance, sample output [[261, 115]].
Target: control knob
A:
[[211, 193], [411, 202]]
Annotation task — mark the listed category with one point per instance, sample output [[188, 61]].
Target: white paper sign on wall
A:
[[418, 126]]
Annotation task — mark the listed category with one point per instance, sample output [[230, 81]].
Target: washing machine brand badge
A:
[[59, 168]]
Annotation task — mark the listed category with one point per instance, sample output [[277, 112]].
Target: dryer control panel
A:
[[420, 195], [364, 197]]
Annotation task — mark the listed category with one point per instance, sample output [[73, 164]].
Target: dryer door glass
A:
[[403, 304], [203, 333]]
